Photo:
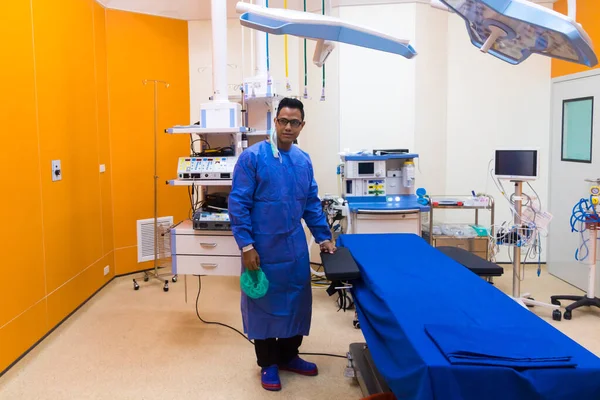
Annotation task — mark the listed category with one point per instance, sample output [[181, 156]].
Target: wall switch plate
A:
[[56, 171], [102, 168], [106, 270]]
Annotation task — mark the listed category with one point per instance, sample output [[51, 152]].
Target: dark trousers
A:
[[276, 351]]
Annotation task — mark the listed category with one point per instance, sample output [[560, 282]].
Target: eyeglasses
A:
[[284, 121]]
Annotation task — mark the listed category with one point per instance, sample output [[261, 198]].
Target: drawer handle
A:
[[373, 212], [209, 265], [211, 245]]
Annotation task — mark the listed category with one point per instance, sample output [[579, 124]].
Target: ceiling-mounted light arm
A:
[[322, 51], [328, 8], [439, 5], [572, 9], [324, 48]]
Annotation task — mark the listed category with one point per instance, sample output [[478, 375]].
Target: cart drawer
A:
[[473, 245], [387, 222], [207, 265], [206, 245]]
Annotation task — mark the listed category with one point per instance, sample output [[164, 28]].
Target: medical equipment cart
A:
[[478, 245], [206, 251]]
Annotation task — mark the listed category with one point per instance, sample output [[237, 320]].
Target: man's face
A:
[[288, 125]]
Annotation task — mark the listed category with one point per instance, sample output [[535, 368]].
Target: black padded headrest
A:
[[340, 266]]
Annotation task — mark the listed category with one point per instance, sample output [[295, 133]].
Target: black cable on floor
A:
[[211, 322], [323, 354], [244, 336]]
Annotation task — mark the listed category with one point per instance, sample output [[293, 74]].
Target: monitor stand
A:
[[524, 299]]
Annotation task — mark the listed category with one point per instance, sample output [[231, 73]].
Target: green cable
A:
[[305, 72]]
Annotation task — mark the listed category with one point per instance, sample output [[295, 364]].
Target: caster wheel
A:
[[135, 285], [356, 324], [174, 279], [555, 302], [146, 278], [567, 314], [529, 305], [556, 315], [166, 288]]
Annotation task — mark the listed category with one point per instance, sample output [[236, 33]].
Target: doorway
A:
[[574, 157]]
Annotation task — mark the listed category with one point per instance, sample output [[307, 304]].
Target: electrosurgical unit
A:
[[212, 168]]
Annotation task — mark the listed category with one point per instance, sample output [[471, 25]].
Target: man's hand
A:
[[251, 260], [328, 247]]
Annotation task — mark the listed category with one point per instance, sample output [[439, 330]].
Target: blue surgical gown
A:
[[268, 200]]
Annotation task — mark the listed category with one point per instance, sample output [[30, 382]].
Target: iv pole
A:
[[155, 274]]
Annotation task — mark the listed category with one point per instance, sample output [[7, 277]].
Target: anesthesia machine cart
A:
[[379, 190]]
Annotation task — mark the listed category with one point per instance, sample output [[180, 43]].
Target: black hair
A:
[[294, 104]]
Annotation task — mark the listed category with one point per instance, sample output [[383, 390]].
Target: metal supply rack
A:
[[479, 245]]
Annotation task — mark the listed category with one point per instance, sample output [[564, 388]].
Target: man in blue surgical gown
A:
[[273, 190]]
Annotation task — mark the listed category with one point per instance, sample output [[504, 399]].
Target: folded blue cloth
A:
[[472, 345]]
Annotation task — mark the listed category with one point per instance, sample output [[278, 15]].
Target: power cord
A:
[[195, 202], [192, 141], [240, 333], [212, 322]]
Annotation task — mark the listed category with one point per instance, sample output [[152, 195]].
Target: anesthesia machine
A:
[[379, 189]]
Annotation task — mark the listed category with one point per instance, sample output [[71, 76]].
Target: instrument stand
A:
[[590, 298], [153, 273], [524, 299]]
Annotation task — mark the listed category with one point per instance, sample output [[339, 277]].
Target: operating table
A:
[[435, 330]]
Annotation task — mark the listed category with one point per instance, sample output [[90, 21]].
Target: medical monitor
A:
[[517, 165]]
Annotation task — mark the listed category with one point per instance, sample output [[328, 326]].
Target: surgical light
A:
[[321, 28], [512, 30]]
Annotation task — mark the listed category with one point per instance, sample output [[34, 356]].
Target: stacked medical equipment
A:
[[379, 189], [586, 215], [227, 125]]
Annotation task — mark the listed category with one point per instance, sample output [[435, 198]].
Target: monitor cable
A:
[[240, 333]]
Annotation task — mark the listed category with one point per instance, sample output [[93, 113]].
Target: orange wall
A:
[[23, 298], [145, 47], [61, 235], [588, 15]]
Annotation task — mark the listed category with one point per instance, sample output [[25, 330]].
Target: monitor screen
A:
[[366, 168], [516, 163]]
